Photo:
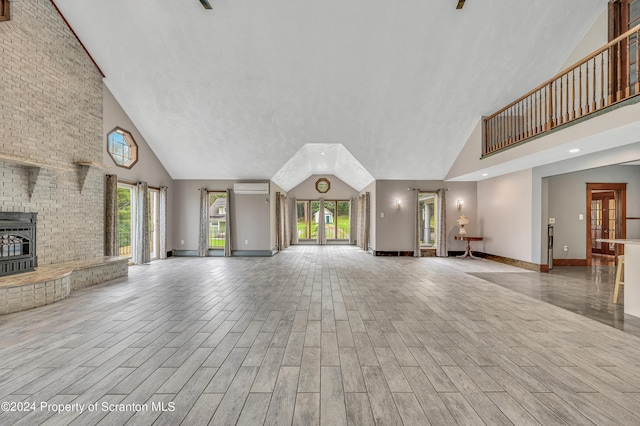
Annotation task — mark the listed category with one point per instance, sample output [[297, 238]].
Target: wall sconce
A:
[[398, 204], [459, 204]]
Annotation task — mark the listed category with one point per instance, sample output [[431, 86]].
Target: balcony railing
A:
[[602, 79]]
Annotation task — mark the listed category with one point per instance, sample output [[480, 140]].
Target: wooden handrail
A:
[[597, 81], [568, 69]]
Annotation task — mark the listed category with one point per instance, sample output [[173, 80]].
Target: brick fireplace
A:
[[17, 242]]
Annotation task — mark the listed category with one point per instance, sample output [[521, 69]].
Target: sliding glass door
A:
[[336, 219], [126, 218]]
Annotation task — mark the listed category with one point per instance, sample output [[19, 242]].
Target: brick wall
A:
[[51, 113]]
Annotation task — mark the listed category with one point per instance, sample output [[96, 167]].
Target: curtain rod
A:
[[130, 182]]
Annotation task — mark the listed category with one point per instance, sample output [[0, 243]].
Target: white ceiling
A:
[[239, 91]]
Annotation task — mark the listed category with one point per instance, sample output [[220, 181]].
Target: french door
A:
[[607, 213], [603, 222], [126, 219], [336, 218]]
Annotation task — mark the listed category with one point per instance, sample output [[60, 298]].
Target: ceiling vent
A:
[[251, 188]]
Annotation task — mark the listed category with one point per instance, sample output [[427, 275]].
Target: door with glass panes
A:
[[336, 218]]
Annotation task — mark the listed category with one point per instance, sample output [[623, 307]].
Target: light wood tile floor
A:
[[315, 335]]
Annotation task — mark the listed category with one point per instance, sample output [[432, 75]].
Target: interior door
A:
[[603, 222]]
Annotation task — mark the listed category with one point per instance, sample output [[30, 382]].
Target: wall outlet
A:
[[246, 242], [181, 241], [566, 248], [580, 216], [381, 214]]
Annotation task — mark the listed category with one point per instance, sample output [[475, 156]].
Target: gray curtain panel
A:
[[286, 224], [203, 237], [367, 220], [321, 236], [227, 232], [111, 245], [278, 222], [441, 244], [416, 248], [294, 222], [281, 218], [353, 221], [163, 222], [360, 222], [142, 253]]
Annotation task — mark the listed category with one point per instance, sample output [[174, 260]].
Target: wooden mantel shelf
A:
[[31, 163], [81, 168], [91, 164]]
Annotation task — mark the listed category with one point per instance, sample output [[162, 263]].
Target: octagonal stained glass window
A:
[[122, 148]]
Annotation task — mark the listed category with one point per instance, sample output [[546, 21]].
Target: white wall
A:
[[396, 230], [250, 216], [339, 190], [505, 215], [252, 224], [148, 168], [568, 199], [594, 39]]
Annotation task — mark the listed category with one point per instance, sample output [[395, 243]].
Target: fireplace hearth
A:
[[17, 242]]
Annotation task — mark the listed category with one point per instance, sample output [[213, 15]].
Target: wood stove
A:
[[17, 242]]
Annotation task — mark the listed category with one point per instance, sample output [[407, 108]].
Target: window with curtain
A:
[[428, 218], [217, 219], [127, 214]]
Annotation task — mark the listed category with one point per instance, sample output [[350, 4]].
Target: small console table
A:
[[468, 252]]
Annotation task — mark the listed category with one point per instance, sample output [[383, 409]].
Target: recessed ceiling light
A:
[[322, 153], [485, 174], [574, 150]]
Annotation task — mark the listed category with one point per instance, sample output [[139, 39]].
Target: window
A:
[[122, 148], [4, 10], [427, 204], [217, 219], [126, 218]]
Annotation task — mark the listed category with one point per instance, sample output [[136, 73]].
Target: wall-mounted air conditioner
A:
[[251, 188]]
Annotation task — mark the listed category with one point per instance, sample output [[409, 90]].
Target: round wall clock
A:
[[323, 185]]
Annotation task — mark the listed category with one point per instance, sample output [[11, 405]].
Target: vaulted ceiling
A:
[[395, 88]]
